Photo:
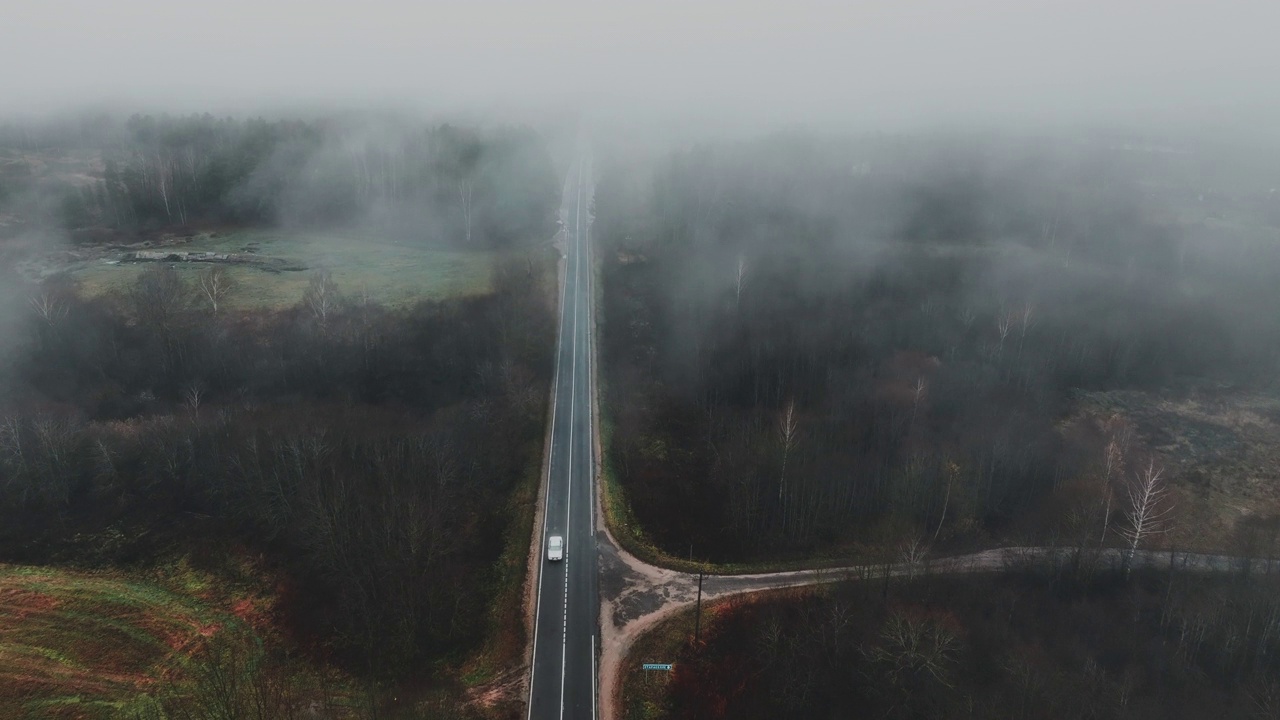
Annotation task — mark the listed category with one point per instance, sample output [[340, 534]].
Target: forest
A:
[[437, 184], [341, 447], [1025, 644], [812, 344], [345, 444]]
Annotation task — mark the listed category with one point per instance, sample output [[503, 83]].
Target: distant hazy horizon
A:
[[872, 65]]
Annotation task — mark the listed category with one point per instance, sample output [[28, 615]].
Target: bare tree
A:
[[1028, 682], [164, 186], [1265, 695], [913, 552], [55, 443], [1112, 466], [159, 295], [464, 198], [952, 470], [228, 682], [740, 280], [322, 296], [1004, 324], [104, 460], [919, 390], [788, 435], [49, 307], [214, 285], [1148, 511], [1024, 323], [11, 445], [161, 302], [912, 647], [192, 397]]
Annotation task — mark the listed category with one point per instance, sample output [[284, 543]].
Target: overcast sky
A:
[[876, 63]]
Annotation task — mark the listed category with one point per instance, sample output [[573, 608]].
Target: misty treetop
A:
[[441, 184], [810, 342]]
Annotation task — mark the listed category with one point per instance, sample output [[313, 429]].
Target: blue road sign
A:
[[658, 666]]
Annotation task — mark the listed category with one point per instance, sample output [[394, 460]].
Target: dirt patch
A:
[[268, 264], [505, 692], [167, 248]]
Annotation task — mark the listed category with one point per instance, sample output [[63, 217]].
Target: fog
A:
[[869, 65], [280, 284]]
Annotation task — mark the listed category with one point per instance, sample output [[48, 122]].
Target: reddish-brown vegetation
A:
[[1031, 646]]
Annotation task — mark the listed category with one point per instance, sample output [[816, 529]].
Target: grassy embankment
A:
[[644, 692]]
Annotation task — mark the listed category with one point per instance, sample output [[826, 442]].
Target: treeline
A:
[[350, 443], [811, 343], [163, 341], [1018, 646], [440, 184]]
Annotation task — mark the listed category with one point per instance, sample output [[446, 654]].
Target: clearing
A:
[[270, 269], [1221, 450]]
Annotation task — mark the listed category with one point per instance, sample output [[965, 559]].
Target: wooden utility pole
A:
[[697, 617]]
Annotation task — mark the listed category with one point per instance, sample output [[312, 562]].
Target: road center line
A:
[[573, 394], [555, 396]]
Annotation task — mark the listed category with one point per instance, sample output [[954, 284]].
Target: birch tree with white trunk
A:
[[918, 393], [50, 308], [740, 281], [464, 198], [193, 398], [214, 285], [788, 435], [322, 296], [1149, 510], [1004, 324], [1024, 323]]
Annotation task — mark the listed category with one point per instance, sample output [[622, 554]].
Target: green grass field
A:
[[79, 645], [395, 274]]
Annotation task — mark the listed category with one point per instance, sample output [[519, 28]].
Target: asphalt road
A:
[[563, 679]]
